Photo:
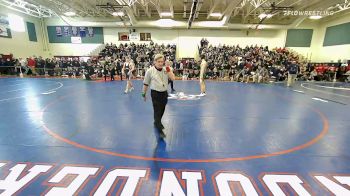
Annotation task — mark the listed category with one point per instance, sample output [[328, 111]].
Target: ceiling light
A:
[[315, 17], [210, 23], [166, 14], [69, 13], [120, 13], [166, 23], [263, 15], [216, 14]]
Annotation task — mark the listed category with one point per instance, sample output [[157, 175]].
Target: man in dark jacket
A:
[[293, 70]]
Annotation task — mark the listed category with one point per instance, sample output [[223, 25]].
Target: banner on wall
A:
[[82, 31], [91, 31], [59, 31], [76, 40], [123, 36], [74, 31], [66, 31], [4, 26], [3, 31], [134, 36]]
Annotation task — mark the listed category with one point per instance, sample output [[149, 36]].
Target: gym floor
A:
[[238, 128]]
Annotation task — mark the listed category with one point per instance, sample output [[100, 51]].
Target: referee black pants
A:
[[159, 100]]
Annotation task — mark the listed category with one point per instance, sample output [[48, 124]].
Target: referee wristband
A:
[[143, 94]]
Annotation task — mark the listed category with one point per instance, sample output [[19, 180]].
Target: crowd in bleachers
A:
[[40, 66], [243, 63], [235, 63], [109, 61], [260, 64], [140, 54]]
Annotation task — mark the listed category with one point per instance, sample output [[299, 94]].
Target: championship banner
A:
[[91, 31], [123, 36], [4, 27], [76, 40], [66, 31], [75, 31], [82, 31], [59, 31], [134, 36]]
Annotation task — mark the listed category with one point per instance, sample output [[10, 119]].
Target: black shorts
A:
[[127, 76]]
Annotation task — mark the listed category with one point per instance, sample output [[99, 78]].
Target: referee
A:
[[156, 78]]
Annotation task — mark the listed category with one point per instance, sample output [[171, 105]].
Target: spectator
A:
[[292, 73]]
